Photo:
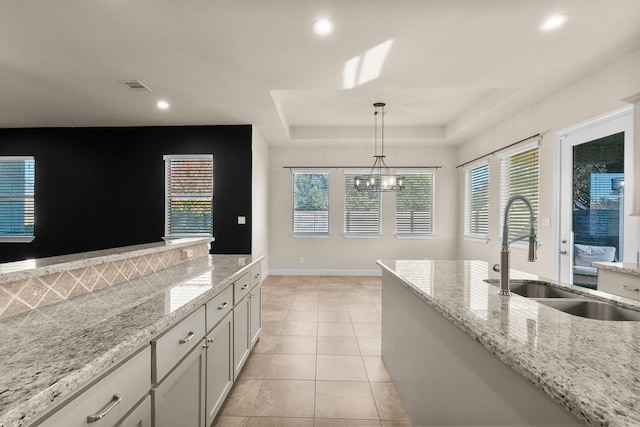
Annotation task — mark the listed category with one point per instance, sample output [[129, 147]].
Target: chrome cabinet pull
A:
[[630, 288], [245, 287], [221, 307], [104, 411], [187, 338]]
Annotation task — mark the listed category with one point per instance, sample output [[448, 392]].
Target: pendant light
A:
[[379, 178]]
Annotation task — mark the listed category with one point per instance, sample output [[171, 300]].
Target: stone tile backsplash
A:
[[23, 295]]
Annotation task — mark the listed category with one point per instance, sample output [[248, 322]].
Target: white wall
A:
[[601, 92], [260, 198], [337, 254]]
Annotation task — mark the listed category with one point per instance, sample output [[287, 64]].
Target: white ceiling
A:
[[453, 67]]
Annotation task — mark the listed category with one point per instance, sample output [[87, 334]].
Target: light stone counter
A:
[[20, 270], [620, 267], [49, 353], [590, 367]]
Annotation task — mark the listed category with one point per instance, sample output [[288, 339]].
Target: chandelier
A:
[[379, 178]]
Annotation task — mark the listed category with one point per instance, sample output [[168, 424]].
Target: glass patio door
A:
[[595, 176]]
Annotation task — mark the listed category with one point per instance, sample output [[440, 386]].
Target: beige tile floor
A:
[[318, 361]]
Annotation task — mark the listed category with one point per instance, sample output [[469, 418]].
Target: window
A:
[[189, 195], [17, 207], [519, 176], [362, 210], [310, 202], [476, 201], [414, 204]]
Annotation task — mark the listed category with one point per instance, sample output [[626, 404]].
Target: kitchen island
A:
[[52, 353], [460, 354]]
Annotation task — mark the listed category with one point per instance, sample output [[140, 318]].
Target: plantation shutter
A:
[[362, 210], [476, 201], [189, 195], [310, 202], [17, 206], [520, 176], [414, 204]]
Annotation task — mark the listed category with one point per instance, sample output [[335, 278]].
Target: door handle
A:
[[562, 252]]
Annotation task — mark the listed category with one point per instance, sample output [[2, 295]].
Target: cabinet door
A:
[[256, 314], [241, 337], [179, 399], [219, 366], [139, 417]]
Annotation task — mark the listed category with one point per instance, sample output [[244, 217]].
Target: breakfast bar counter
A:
[[586, 370]]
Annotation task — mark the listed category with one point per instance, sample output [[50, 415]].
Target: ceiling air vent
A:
[[135, 85]]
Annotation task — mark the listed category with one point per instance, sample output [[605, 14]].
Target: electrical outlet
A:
[[301, 260]]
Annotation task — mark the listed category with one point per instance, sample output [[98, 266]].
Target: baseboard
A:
[[310, 272]]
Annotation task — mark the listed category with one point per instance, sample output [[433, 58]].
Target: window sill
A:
[[415, 236], [310, 235], [17, 239], [477, 239], [361, 236]]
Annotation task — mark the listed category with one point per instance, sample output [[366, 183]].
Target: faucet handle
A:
[[496, 268]]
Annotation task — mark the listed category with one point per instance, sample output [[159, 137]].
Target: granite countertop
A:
[[591, 367], [620, 267], [49, 353], [19, 270]]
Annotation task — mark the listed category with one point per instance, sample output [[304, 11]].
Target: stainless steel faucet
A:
[[504, 251]]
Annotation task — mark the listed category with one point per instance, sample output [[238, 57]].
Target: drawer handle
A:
[[630, 288], [186, 339], [245, 287], [221, 307], [104, 411], [256, 276]]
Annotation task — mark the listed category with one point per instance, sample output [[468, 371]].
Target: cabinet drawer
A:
[[624, 285], [112, 397], [255, 275], [218, 307], [241, 288], [173, 345]]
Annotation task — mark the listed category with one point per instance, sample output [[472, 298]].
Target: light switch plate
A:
[[242, 220]]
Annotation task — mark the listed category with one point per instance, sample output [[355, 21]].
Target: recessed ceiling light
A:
[[163, 105], [322, 27], [553, 22]]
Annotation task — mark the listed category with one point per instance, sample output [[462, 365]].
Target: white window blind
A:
[[519, 176], [415, 203], [189, 195], [476, 201], [362, 210], [310, 202], [17, 206]]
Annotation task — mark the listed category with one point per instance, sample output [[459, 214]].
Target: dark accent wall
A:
[[99, 188]]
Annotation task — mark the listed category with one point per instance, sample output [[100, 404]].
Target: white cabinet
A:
[[219, 366], [179, 399], [255, 318], [241, 337], [139, 417], [106, 402], [621, 284], [174, 344], [178, 368]]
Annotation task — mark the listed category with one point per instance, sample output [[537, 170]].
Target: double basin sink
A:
[[569, 302]]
